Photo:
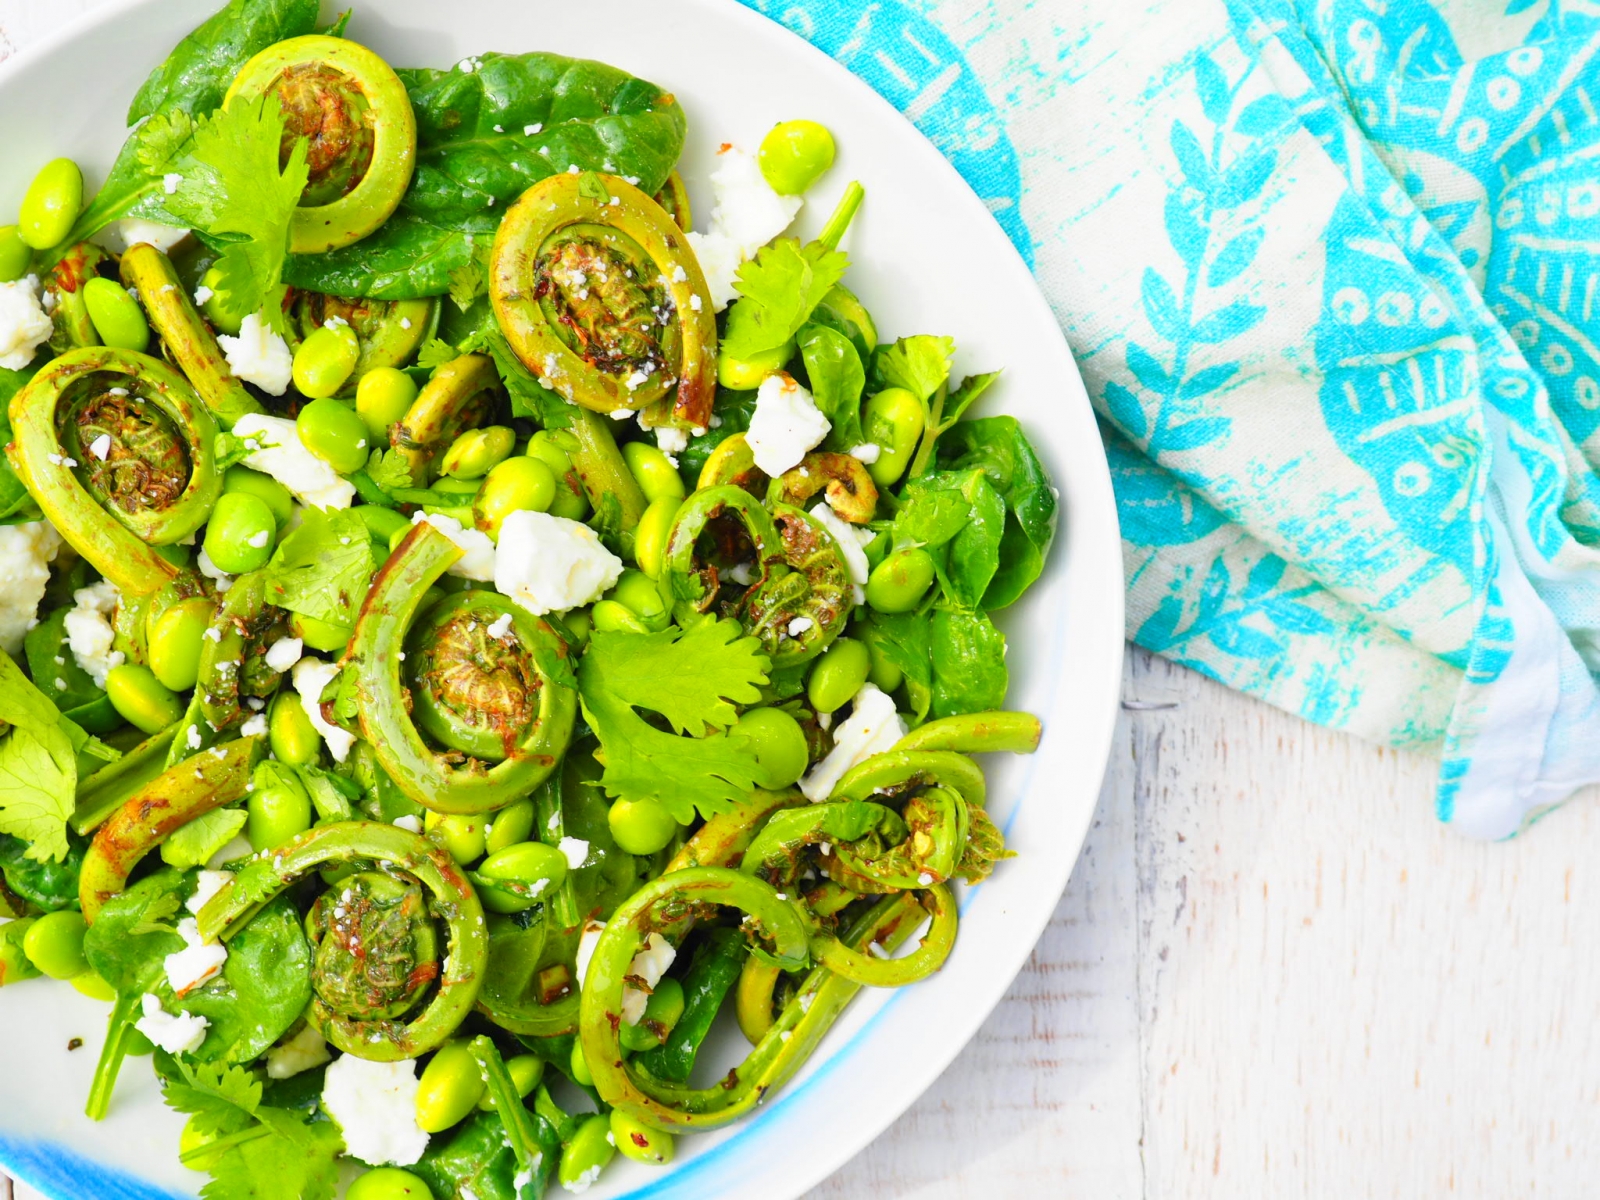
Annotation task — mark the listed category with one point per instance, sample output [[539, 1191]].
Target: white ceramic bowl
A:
[[929, 259]]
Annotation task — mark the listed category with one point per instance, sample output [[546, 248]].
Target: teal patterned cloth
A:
[[1332, 273]]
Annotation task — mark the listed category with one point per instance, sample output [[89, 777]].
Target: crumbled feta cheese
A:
[[745, 208], [206, 885], [866, 452], [785, 424], [586, 944], [852, 541], [27, 551], [197, 962], [210, 570], [500, 627], [576, 850], [375, 1106], [405, 322], [620, 414], [409, 823], [259, 356], [303, 1051], [258, 539], [671, 441], [744, 574], [170, 183], [530, 130], [311, 677], [181, 1034], [873, 727], [89, 631], [192, 737], [719, 258], [203, 294], [650, 964], [636, 380], [583, 1182], [284, 653], [477, 551], [799, 625], [256, 726], [284, 456], [24, 326], [550, 564], [101, 446], [132, 231]]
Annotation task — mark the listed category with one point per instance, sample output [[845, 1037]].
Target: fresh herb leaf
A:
[[389, 470], [780, 286], [529, 397], [51, 886], [969, 663], [693, 677], [999, 447], [232, 188], [920, 364], [959, 518], [469, 282], [435, 353], [322, 569], [153, 915], [38, 766], [192, 845], [837, 378]]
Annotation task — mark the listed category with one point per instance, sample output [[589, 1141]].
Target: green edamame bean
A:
[[334, 433], [54, 944], [580, 624], [275, 814], [640, 1142], [51, 204], [241, 533], [463, 835], [893, 420], [15, 256], [388, 1183], [510, 825], [290, 733], [662, 1011], [537, 866], [450, 1088], [570, 502], [382, 523], [579, 1066], [885, 674], [93, 986], [654, 472], [838, 675], [587, 1154], [746, 374], [512, 486], [175, 554], [526, 1071], [639, 592], [383, 397], [117, 317], [611, 616], [477, 451], [264, 488], [650, 535], [220, 306], [141, 699], [640, 826], [547, 448], [899, 582], [175, 641], [778, 743], [794, 155], [319, 634], [324, 360], [14, 963]]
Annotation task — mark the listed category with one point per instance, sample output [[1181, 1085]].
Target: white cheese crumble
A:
[[203, 294], [311, 676], [500, 627], [672, 441], [852, 541], [719, 257], [785, 424], [132, 231], [873, 727], [282, 655], [206, 885], [210, 570], [866, 452], [181, 1034], [747, 214], [238, 848], [101, 446], [303, 1051], [576, 850], [550, 564], [27, 551], [530, 130], [283, 455], [196, 963], [259, 356], [408, 823], [256, 726], [587, 941], [799, 625], [170, 183], [477, 551], [650, 964], [24, 325], [89, 631], [375, 1106]]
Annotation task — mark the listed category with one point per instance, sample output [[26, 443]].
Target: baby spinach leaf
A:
[[15, 502], [903, 639], [483, 137], [836, 376], [55, 671], [52, 886], [478, 1161], [969, 663], [196, 75], [959, 518], [1000, 449]]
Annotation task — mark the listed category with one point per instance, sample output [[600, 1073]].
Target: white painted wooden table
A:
[[1272, 975]]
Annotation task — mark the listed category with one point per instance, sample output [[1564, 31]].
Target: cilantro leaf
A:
[[389, 470], [693, 680], [322, 569], [692, 677], [232, 189], [435, 353], [781, 286], [38, 766], [192, 845], [920, 364], [529, 397]]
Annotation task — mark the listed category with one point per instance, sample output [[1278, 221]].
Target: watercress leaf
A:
[[836, 376], [999, 447], [965, 395], [920, 364], [323, 567], [38, 766], [196, 75], [969, 663], [779, 287], [192, 845]]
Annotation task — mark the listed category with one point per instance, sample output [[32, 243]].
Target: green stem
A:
[[507, 1103], [200, 1153], [930, 432], [844, 212], [119, 1030], [604, 473]]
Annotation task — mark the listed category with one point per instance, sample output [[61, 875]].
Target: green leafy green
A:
[[837, 378], [1000, 449], [959, 518], [52, 886], [38, 766], [55, 671], [389, 470], [969, 663], [693, 677], [920, 364], [529, 397], [15, 502], [475, 1159], [483, 137], [902, 638], [780, 287], [322, 569], [192, 845]]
